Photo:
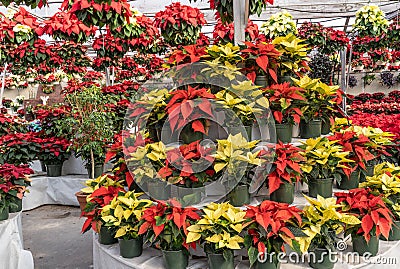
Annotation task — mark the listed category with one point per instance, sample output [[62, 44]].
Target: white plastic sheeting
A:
[[53, 190], [12, 254]]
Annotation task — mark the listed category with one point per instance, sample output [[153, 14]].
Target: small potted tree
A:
[[166, 225], [285, 173], [124, 213], [322, 222], [271, 225], [325, 160], [376, 219], [219, 232]]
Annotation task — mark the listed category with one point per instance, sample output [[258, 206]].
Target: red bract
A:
[[187, 54], [14, 172], [265, 57], [225, 32], [282, 98], [176, 13], [286, 167], [370, 209]]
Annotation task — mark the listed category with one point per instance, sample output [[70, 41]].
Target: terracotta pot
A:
[[81, 197]]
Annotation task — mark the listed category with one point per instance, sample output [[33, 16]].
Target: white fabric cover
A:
[[53, 190], [105, 257], [12, 254]]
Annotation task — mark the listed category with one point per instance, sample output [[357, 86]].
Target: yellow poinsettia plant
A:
[[227, 54], [219, 229], [324, 159], [294, 57], [322, 222], [101, 181], [386, 183], [124, 214]]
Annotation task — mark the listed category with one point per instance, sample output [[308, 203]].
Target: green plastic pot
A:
[[261, 81], [369, 172], [131, 248], [189, 196], [17, 205], [325, 126], [284, 194], [239, 195], [268, 263], [310, 129], [106, 236], [175, 259], [98, 170], [350, 183], [322, 187], [158, 190], [284, 132], [217, 261], [321, 259], [361, 246], [4, 213], [54, 170]]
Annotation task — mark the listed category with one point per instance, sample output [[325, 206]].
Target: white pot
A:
[[380, 63]]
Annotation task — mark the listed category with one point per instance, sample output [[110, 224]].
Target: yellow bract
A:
[[101, 181]]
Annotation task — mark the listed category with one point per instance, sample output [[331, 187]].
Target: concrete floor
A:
[[52, 234]]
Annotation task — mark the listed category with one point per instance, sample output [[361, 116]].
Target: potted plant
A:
[[358, 147], [385, 182], [376, 219], [261, 61], [279, 24], [322, 222], [93, 126], [285, 102], [224, 32], [54, 152], [319, 100], [325, 160], [180, 24], [293, 61], [271, 226], [370, 21], [13, 184], [19, 148], [167, 225], [285, 172], [125, 213], [234, 158], [219, 231]]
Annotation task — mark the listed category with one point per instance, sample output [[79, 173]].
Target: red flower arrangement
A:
[[180, 24], [224, 32], [286, 166], [376, 218], [66, 26]]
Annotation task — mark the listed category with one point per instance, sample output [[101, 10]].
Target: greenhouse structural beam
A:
[[240, 17]]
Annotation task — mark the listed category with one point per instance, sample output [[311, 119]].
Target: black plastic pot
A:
[[261, 81], [54, 170], [310, 129], [321, 259], [284, 194], [322, 187], [175, 259], [131, 248], [106, 236], [325, 127], [284, 132], [4, 213], [350, 183], [271, 262], [98, 170]]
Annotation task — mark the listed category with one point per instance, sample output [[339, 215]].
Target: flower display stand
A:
[[12, 253]]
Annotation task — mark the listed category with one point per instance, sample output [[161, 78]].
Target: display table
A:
[[53, 190], [12, 254], [105, 257]]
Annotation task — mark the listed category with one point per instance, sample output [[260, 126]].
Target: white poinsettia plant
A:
[[279, 24], [370, 21]]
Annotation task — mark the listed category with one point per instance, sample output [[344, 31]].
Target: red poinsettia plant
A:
[[285, 102], [110, 48], [66, 26], [187, 54], [55, 150], [261, 59], [376, 218], [224, 32], [269, 228], [181, 164], [180, 24], [19, 148], [165, 225], [13, 182], [286, 166], [112, 13]]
